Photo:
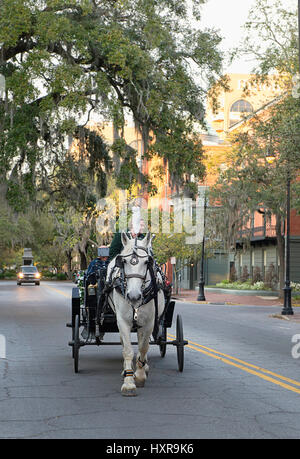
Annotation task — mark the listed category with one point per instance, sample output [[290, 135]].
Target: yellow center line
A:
[[59, 291], [224, 358]]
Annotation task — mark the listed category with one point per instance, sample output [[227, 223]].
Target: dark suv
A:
[[28, 274]]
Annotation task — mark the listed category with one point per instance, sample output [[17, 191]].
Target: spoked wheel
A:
[[76, 344], [73, 335], [163, 344], [180, 343]]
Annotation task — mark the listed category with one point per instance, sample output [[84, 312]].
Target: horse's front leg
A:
[[128, 388], [142, 367]]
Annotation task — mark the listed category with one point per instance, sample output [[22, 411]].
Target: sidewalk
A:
[[232, 299]]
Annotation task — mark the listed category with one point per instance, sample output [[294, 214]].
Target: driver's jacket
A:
[[116, 245], [95, 265]]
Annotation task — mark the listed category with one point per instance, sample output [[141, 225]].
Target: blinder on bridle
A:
[[134, 260]]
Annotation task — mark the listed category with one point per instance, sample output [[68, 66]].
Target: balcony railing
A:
[[258, 232]]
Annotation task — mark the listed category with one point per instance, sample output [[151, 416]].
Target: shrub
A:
[[271, 277], [257, 277], [295, 286], [61, 276], [232, 275], [259, 286], [245, 274], [243, 286], [47, 274]]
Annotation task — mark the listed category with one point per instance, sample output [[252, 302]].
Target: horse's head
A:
[[134, 260]]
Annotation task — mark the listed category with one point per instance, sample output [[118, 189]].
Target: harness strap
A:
[[132, 276]]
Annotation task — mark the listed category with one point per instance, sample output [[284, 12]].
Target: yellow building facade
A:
[[244, 97]]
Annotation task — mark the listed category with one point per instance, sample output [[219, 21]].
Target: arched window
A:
[[241, 106]]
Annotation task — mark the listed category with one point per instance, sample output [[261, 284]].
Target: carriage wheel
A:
[[76, 344], [180, 343], [163, 346], [73, 335]]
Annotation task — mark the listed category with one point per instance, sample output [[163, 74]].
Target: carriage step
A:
[[178, 343], [69, 325]]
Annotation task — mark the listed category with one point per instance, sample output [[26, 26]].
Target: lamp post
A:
[[287, 304], [201, 296]]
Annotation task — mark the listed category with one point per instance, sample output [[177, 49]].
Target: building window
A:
[[241, 106], [237, 109]]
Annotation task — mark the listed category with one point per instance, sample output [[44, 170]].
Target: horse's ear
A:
[[124, 238]]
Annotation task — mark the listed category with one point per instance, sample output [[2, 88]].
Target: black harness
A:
[[120, 283]]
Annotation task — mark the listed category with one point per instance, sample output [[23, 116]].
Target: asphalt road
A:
[[240, 379]]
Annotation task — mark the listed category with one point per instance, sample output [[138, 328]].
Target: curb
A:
[[214, 303], [279, 316], [229, 291]]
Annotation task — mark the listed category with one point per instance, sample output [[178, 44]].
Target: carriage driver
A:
[[99, 265], [100, 262], [116, 245]]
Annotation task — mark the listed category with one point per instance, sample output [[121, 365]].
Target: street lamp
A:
[[201, 296], [287, 305]]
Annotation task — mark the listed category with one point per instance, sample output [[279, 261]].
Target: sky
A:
[[229, 16]]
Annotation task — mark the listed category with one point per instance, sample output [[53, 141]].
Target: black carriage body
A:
[[109, 325], [84, 315]]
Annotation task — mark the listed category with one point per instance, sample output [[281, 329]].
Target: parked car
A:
[[28, 274]]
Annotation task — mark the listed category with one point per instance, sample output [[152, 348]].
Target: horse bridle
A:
[[134, 261]]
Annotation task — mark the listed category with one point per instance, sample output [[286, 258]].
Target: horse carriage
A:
[[131, 295]]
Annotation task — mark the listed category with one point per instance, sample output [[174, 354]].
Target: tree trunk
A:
[[83, 260], [280, 245], [69, 264]]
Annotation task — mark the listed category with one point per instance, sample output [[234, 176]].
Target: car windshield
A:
[[29, 269]]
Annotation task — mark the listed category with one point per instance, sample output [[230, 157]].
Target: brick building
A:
[[235, 112], [234, 107]]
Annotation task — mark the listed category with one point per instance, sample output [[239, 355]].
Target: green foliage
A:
[[47, 274], [63, 59], [239, 285], [166, 246], [272, 37]]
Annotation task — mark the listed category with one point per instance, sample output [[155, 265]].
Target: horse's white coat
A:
[[145, 314]]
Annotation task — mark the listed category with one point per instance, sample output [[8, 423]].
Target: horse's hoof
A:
[[140, 383], [129, 392]]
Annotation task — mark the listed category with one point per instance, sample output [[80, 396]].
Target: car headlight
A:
[[37, 275], [21, 275]]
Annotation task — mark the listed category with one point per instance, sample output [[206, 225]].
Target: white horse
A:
[[130, 274]]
